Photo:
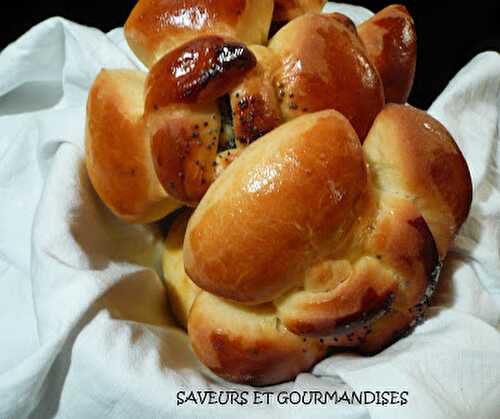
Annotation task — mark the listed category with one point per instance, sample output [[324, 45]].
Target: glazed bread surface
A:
[[155, 27], [390, 39], [273, 180], [305, 227], [151, 141], [286, 10], [321, 216], [181, 290], [313, 63], [325, 66], [184, 118], [118, 159], [415, 156]]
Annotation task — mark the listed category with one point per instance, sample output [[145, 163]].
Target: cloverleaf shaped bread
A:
[[319, 208]]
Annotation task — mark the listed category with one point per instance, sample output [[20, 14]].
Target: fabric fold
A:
[[84, 323]]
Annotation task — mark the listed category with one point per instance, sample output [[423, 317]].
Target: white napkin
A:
[[83, 328]]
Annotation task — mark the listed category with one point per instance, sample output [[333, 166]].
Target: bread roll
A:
[[151, 142], [246, 239], [390, 39], [155, 27], [315, 62], [118, 159], [332, 242], [184, 119], [286, 10], [331, 229], [181, 290], [325, 66], [254, 102]]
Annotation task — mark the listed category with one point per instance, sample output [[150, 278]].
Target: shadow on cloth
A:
[[137, 299], [31, 97], [104, 238]]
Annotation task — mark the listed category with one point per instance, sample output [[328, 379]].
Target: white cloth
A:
[[83, 328]]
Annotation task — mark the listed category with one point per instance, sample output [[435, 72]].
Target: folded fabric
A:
[[84, 328]]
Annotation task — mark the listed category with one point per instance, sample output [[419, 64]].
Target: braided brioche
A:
[[286, 10], [315, 62], [324, 65], [309, 241], [324, 208], [156, 27]]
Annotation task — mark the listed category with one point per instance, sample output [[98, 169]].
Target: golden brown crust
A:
[[248, 346], [254, 103], [403, 244], [181, 290], [394, 266], [362, 281], [286, 10], [307, 240], [386, 331], [118, 158], [156, 27], [364, 294], [284, 198], [199, 71], [413, 155], [239, 343], [184, 141], [314, 63], [183, 116], [390, 39], [325, 66]]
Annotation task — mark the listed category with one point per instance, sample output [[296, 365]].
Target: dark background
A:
[[450, 32]]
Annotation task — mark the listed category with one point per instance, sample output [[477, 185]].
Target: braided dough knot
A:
[[310, 240]]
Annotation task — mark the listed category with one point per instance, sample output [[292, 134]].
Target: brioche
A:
[[184, 117], [181, 291], [325, 66], [119, 162], [209, 97], [390, 40], [286, 10], [156, 27], [254, 103], [322, 208], [309, 235], [151, 141]]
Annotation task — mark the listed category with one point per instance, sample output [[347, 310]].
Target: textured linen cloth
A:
[[84, 332]]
